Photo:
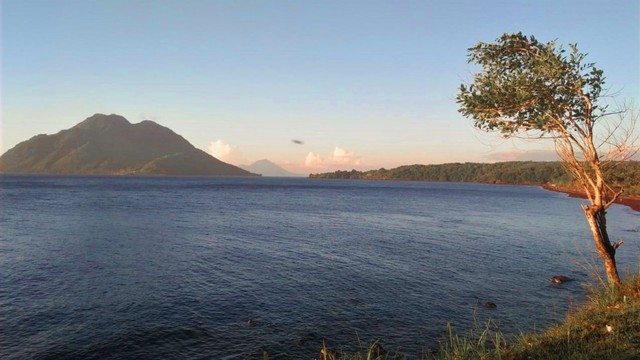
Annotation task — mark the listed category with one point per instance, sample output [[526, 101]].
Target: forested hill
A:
[[110, 144], [626, 174]]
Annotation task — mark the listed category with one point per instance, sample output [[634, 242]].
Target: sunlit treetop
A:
[[528, 85]]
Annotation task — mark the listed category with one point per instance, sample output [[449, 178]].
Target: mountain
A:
[[267, 168], [110, 144]]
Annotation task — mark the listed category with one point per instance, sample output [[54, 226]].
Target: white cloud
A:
[[225, 152], [313, 160], [219, 149], [148, 116], [344, 157], [341, 159]]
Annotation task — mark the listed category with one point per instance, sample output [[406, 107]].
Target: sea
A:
[[116, 267]]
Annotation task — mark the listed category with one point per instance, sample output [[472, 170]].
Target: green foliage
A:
[[479, 343], [529, 85], [624, 175]]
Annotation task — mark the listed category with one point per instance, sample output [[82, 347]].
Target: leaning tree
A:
[[530, 89]]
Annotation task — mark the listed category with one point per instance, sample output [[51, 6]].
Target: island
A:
[[111, 145]]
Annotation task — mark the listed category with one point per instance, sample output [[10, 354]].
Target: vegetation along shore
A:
[[605, 326], [550, 175]]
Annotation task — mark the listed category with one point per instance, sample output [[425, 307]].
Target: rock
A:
[[560, 279], [309, 336], [490, 305]]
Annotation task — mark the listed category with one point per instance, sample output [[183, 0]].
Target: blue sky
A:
[[364, 84]]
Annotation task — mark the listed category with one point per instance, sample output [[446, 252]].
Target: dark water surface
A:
[[172, 268]]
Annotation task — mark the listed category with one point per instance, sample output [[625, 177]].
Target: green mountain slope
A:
[[109, 144]]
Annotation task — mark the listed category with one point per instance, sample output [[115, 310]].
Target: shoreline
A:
[[631, 201]]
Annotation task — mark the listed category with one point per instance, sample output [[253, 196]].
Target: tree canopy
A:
[[526, 85]]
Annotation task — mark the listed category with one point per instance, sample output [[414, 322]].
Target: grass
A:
[[479, 343], [606, 326]]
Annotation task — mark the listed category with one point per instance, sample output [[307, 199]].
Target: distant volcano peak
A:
[[267, 168]]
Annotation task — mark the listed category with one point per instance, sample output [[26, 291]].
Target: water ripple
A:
[[198, 268]]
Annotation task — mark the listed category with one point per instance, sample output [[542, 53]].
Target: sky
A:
[[357, 84]]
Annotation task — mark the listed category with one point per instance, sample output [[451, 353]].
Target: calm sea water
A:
[[173, 268]]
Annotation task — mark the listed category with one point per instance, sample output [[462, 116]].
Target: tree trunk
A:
[[596, 217]]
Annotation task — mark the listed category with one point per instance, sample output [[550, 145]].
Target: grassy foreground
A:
[[606, 326]]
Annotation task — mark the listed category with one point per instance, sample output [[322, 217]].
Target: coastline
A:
[[631, 201]]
